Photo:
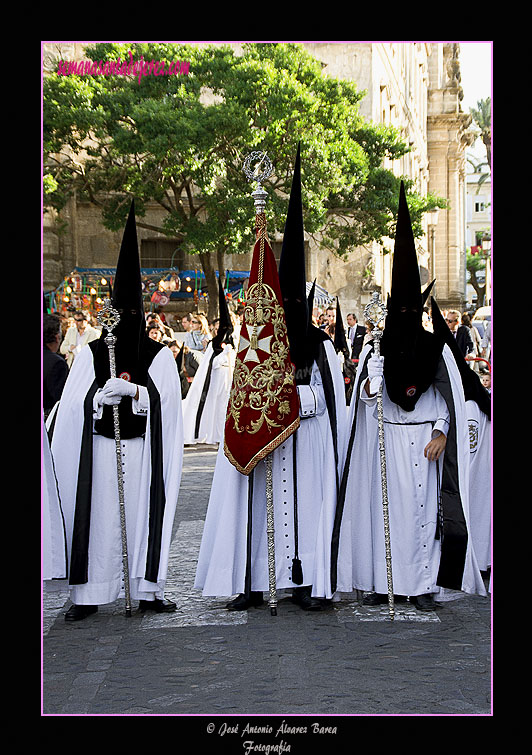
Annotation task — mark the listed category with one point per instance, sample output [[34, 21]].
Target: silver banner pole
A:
[[375, 313], [109, 318], [262, 169]]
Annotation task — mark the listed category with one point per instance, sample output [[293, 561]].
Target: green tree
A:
[[482, 117], [180, 140], [475, 264]]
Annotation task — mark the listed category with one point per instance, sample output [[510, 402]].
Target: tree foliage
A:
[[181, 140], [482, 117]]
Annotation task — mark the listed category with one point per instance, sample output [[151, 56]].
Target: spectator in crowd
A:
[[155, 318], [77, 336], [355, 335], [426, 320], [486, 341], [486, 381], [329, 318], [54, 366], [199, 336], [186, 322], [459, 331], [155, 332], [475, 337], [186, 364]]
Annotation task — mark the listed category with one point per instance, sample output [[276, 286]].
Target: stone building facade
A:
[[413, 86], [416, 88]]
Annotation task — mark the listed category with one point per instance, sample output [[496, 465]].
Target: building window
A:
[[480, 206], [162, 253]]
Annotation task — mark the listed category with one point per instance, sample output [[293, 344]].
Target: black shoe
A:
[[76, 613], [302, 597], [242, 603], [157, 605], [379, 599], [423, 602]]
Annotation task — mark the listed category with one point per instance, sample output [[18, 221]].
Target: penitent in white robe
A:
[[211, 427], [412, 487], [221, 566], [479, 428], [105, 581]]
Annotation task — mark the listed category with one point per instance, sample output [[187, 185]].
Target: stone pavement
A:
[[221, 669]]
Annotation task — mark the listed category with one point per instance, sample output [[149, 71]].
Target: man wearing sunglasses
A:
[[77, 336], [459, 331]]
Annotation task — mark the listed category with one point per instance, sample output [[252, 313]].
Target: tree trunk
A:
[[480, 290], [207, 263], [220, 258]]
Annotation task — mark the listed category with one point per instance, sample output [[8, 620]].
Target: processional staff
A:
[[262, 170], [109, 318], [375, 313]]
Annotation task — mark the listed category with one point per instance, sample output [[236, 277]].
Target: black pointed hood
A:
[[473, 388], [303, 336], [426, 293], [340, 341], [310, 298], [411, 353], [134, 351], [127, 288], [225, 326], [406, 284]]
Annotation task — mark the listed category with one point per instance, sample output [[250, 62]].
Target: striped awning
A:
[[321, 296]]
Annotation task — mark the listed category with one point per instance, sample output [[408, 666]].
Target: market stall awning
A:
[[321, 297]]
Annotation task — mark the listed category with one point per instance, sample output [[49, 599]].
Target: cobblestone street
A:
[[202, 660]]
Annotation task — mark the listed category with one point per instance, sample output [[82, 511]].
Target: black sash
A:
[[79, 559], [203, 396]]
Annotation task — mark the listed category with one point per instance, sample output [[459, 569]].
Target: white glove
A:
[[375, 373], [115, 389], [102, 398]]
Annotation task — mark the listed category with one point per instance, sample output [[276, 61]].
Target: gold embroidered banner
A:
[[263, 408]]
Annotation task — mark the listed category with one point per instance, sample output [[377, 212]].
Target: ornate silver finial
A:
[[258, 167], [108, 317], [375, 312]]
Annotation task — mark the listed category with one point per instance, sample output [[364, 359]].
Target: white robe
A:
[[212, 423], [479, 428], [105, 582], [222, 558], [52, 530], [412, 493]]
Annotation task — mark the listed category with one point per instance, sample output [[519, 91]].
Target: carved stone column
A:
[[446, 140]]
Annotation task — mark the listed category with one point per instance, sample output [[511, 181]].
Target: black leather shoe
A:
[[242, 603], [379, 599], [77, 613], [157, 605], [423, 602], [302, 597]]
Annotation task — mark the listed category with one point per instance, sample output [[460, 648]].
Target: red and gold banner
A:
[[263, 408]]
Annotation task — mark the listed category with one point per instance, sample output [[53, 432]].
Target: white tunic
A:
[[211, 428], [105, 582], [412, 487], [52, 530], [222, 559], [479, 428]]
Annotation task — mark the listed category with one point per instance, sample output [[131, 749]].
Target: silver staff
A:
[[109, 318], [262, 169], [375, 313]]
